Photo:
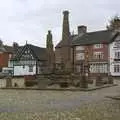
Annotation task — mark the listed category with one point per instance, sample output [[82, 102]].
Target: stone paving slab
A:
[[59, 105]]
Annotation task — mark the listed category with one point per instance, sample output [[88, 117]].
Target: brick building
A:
[[96, 44], [73, 49], [6, 53]]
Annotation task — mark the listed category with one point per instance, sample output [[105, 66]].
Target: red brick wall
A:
[[91, 50], [4, 57]]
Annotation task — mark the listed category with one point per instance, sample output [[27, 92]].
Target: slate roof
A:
[[6, 48], [2, 49], [65, 43], [38, 52], [9, 49], [97, 37], [104, 37], [41, 53]]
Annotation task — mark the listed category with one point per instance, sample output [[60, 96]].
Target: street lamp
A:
[[99, 77], [86, 63], [85, 69]]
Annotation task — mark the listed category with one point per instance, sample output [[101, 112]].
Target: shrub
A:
[[30, 82], [63, 84]]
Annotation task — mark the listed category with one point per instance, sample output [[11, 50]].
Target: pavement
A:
[[60, 104]]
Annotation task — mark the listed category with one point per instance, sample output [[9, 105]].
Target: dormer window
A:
[[98, 46]]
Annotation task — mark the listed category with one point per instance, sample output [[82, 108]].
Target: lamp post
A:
[[110, 78], [86, 63], [99, 77], [85, 70]]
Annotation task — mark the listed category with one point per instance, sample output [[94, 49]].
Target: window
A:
[[117, 55], [98, 68], [10, 56], [98, 55], [79, 48], [98, 46], [116, 44], [116, 68], [30, 68], [80, 56]]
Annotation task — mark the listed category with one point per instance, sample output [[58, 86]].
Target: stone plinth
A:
[[83, 82], [99, 81], [8, 82], [110, 80], [42, 82]]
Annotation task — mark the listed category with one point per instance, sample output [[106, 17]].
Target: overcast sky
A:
[[22, 20]]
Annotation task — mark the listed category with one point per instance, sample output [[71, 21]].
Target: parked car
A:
[[6, 72]]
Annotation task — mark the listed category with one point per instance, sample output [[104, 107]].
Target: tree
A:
[[114, 23], [1, 42], [15, 44]]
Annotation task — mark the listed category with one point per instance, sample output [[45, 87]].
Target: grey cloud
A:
[[30, 19]]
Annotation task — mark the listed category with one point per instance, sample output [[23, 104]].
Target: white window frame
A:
[[80, 56], [30, 68], [96, 46], [117, 55], [116, 68], [98, 55]]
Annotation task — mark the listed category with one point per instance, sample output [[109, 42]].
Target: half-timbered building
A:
[[29, 60]]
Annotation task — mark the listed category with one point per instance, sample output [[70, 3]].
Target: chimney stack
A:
[[82, 30], [15, 47], [65, 32]]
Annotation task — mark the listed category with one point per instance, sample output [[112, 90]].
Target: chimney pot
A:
[[82, 30]]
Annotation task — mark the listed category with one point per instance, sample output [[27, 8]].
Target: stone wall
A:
[[18, 81], [2, 83]]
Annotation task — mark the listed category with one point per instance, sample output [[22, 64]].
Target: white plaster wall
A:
[[111, 55], [111, 59], [21, 71]]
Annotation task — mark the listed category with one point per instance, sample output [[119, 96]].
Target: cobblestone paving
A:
[[56, 105]]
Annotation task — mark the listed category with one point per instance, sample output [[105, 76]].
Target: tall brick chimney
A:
[[66, 32], [66, 49]]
